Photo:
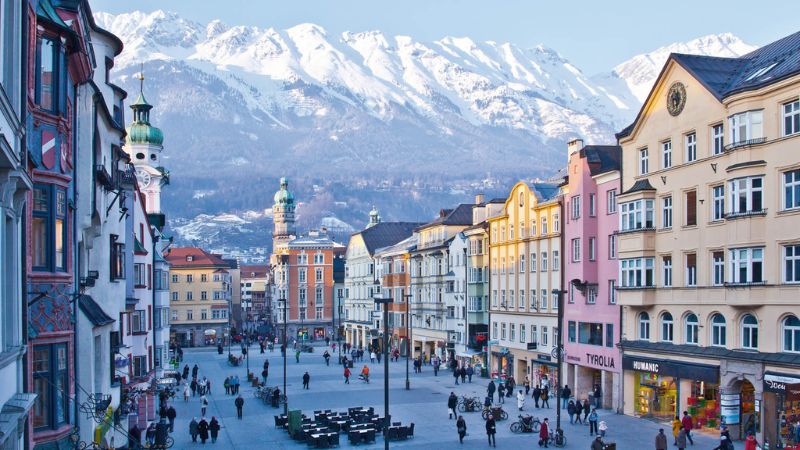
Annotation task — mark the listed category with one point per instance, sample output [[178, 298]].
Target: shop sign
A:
[[542, 357], [603, 361], [777, 383], [665, 367], [729, 408]]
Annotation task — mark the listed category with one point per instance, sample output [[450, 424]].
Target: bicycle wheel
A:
[[516, 427], [503, 415], [536, 426], [485, 415], [170, 442], [462, 407], [561, 441]]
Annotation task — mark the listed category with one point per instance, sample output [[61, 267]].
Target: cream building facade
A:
[[708, 244]]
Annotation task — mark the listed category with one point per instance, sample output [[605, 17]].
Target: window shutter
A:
[[691, 208], [149, 317]]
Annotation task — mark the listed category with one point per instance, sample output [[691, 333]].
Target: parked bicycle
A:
[[526, 424], [469, 404], [496, 412], [557, 438]]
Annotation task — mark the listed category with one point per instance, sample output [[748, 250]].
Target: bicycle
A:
[[557, 439], [526, 424], [467, 404]]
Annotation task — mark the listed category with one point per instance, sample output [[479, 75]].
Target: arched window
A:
[[521, 199], [791, 334], [644, 326], [667, 331], [691, 327], [749, 332], [718, 330]]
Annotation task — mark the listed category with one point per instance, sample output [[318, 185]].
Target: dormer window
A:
[[189, 258]]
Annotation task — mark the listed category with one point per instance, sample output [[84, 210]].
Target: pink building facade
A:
[[591, 315]]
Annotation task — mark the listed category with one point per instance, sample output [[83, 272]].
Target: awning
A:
[[13, 415], [93, 311], [469, 353]]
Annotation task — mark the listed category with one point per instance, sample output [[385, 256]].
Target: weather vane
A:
[[141, 77]]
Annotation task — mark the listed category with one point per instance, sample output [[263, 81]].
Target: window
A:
[[522, 264], [791, 263], [302, 259], [556, 261], [138, 324], [690, 142], [666, 212], [139, 366], [691, 208], [556, 223], [636, 272], [718, 330], [218, 313], [189, 278], [48, 228], [522, 299], [522, 333], [544, 262], [174, 278], [610, 335], [636, 215], [643, 164], [666, 271], [301, 275], [189, 295], [791, 334], [503, 330], [592, 249], [667, 329], [691, 269], [494, 330], [47, 74], [718, 139], [319, 296], [612, 292], [533, 227], [644, 326], [611, 198], [534, 334], [512, 332], [576, 207], [666, 154], [746, 126], [51, 386], [612, 246], [576, 250], [718, 268], [791, 189], [692, 327], [319, 258], [747, 265], [590, 333], [203, 278], [791, 117], [555, 301], [543, 305], [174, 296], [301, 296], [203, 314], [746, 195], [592, 205], [543, 340], [534, 305], [319, 313], [544, 225], [572, 331], [718, 203], [318, 275], [139, 275], [591, 296], [533, 262], [749, 332], [204, 295], [175, 314]]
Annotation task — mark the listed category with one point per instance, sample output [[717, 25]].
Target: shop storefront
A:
[[660, 388], [502, 363], [781, 408], [543, 372]]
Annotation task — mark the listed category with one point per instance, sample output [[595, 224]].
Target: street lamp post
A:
[[284, 349], [409, 343], [387, 420], [339, 327], [559, 353]]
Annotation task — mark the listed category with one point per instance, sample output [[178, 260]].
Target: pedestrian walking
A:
[[452, 402], [520, 400], [306, 379], [194, 371], [171, 415], [566, 393], [185, 372], [193, 429], [235, 385], [602, 427], [463, 372], [545, 398], [202, 428], [327, 357], [751, 444], [208, 387], [578, 411], [490, 390], [346, 375], [264, 374], [186, 392], [461, 427], [537, 395], [491, 430], [161, 433], [227, 385], [378, 356], [586, 410], [372, 357], [213, 428], [470, 372], [436, 365], [593, 422], [510, 384], [455, 375], [501, 392], [571, 411], [544, 433], [297, 356], [194, 387], [203, 405], [527, 385], [687, 426], [150, 434], [239, 402], [134, 437], [661, 440], [681, 441], [676, 427], [598, 397]]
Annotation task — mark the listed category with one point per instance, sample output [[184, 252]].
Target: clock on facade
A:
[[676, 98], [143, 177]]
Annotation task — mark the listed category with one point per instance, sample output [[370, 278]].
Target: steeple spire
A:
[[141, 78]]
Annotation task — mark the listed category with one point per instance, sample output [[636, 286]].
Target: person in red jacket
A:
[[346, 375], [544, 433], [687, 426], [750, 443]]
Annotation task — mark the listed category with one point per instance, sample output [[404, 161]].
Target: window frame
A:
[[748, 333], [752, 195], [718, 203], [55, 227], [790, 115], [691, 329], [638, 270], [611, 201], [747, 261], [690, 144], [55, 81], [53, 376], [745, 123], [718, 139], [667, 328], [790, 263], [666, 271], [666, 154], [643, 326], [790, 334], [790, 190], [637, 215], [666, 212], [644, 163], [718, 331]]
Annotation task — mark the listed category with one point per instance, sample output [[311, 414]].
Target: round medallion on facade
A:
[[676, 98]]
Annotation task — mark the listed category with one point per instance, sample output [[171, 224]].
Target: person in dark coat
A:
[[586, 410], [202, 428], [461, 426], [213, 428], [456, 374], [490, 390], [510, 383], [150, 434], [491, 430], [463, 372], [186, 372], [566, 393], [239, 402], [208, 386], [501, 392], [193, 385], [162, 431], [194, 371], [134, 437], [578, 411], [171, 414], [452, 402], [306, 379], [194, 429], [571, 409], [536, 394]]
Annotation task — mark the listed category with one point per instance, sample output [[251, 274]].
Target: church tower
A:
[[144, 146], [283, 216], [374, 218]]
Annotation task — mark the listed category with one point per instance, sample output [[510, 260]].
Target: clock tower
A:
[[283, 216], [144, 146]]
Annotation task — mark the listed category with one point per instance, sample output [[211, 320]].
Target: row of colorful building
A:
[[673, 256], [84, 307]]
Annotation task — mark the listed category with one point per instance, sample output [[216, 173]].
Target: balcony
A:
[[126, 179], [734, 145], [642, 239], [103, 177], [746, 214], [636, 296]]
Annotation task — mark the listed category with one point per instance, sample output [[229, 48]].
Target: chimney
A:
[[479, 198], [574, 146]]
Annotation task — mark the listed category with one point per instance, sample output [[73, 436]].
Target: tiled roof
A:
[[254, 271], [602, 158], [727, 76], [640, 185], [177, 257], [384, 234], [461, 215], [233, 263], [93, 311], [406, 245], [544, 191]]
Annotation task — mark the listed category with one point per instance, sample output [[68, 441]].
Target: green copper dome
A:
[[283, 196], [140, 131]]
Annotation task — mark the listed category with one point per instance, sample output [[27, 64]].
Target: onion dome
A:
[[283, 196], [140, 131]]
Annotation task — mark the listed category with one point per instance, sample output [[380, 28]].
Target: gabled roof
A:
[[178, 258], [602, 158], [384, 234], [254, 271], [724, 77], [406, 245], [93, 311], [544, 191], [461, 215], [640, 185]]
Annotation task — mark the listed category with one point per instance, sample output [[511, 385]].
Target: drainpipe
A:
[[153, 284], [488, 304], [23, 93], [77, 256]]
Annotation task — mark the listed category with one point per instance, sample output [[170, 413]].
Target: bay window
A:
[[636, 272], [747, 265], [51, 386], [636, 215], [746, 195], [49, 228], [746, 126], [47, 74]]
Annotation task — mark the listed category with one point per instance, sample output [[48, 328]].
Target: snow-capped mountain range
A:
[[243, 105]]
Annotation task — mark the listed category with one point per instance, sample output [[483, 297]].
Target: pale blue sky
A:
[[593, 34]]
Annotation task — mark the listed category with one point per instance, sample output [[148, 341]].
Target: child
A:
[[602, 427]]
